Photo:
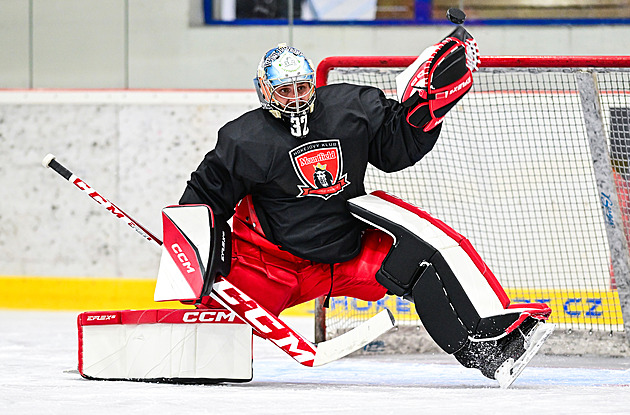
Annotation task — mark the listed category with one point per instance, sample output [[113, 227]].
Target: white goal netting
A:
[[517, 171]]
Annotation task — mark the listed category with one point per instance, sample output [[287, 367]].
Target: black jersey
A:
[[299, 187]]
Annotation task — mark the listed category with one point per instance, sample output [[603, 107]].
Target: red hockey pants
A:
[[278, 280]]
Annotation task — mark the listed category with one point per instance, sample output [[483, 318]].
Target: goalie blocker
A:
[[196, 250], [459, 301]]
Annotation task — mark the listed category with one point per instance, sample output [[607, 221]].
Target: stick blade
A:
[[354, 339]]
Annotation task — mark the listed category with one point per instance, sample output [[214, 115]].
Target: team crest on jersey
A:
[[319, 165]]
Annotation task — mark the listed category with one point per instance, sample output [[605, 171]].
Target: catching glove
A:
[[438, 79]]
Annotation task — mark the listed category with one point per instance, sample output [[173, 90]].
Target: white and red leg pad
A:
[[192, 346], [455, 294]]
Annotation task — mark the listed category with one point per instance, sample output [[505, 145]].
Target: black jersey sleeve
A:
[[212, 185], [216, 181], [394, 143]]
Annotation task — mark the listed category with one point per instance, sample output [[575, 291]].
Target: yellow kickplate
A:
[[92, 294], [81, 294]]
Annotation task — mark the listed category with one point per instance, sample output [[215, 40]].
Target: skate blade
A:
[[507, 373]]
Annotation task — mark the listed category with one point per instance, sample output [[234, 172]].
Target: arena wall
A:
[[136, 148], [164, 44], [130, 94]]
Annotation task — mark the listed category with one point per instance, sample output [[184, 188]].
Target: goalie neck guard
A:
[[285, 83]]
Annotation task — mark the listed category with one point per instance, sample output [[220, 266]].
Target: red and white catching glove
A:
[[438, 79]]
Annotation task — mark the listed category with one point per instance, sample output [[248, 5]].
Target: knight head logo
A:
[[322, 177], [319, 165]]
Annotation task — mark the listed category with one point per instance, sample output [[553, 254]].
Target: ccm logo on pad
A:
[[208, 316], [182, 258]]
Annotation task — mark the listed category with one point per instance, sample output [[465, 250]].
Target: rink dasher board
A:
[[177, 346]]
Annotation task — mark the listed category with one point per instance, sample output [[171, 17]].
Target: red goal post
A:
[[533, 166]]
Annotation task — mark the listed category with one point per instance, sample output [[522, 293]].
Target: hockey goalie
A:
[[290, 175]]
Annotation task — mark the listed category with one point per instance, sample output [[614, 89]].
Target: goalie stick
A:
[[49, 161], [265, 324]]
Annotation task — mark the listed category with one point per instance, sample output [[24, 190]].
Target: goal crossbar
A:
[[331, 62]]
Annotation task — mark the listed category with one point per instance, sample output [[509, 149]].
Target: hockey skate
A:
[[505, 359], [510, 369]]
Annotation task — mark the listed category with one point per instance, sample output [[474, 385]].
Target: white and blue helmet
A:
[[285, 68]]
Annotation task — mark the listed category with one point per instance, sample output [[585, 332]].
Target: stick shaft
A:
[[98, 198]]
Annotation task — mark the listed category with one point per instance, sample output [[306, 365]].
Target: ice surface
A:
[[36, 348]]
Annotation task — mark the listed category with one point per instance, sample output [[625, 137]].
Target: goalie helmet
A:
[[285, 83]]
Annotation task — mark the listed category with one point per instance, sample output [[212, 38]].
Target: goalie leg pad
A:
[[455, 294], [408, 271], [437, 313], [174, 346]]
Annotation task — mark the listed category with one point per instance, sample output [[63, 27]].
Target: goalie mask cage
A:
[[533, 167]]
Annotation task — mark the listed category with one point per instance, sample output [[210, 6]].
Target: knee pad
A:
[[455, 294]]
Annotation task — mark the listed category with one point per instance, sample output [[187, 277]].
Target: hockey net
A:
[[533, 167]]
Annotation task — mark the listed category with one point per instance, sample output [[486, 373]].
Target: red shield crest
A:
[[319, 165]]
